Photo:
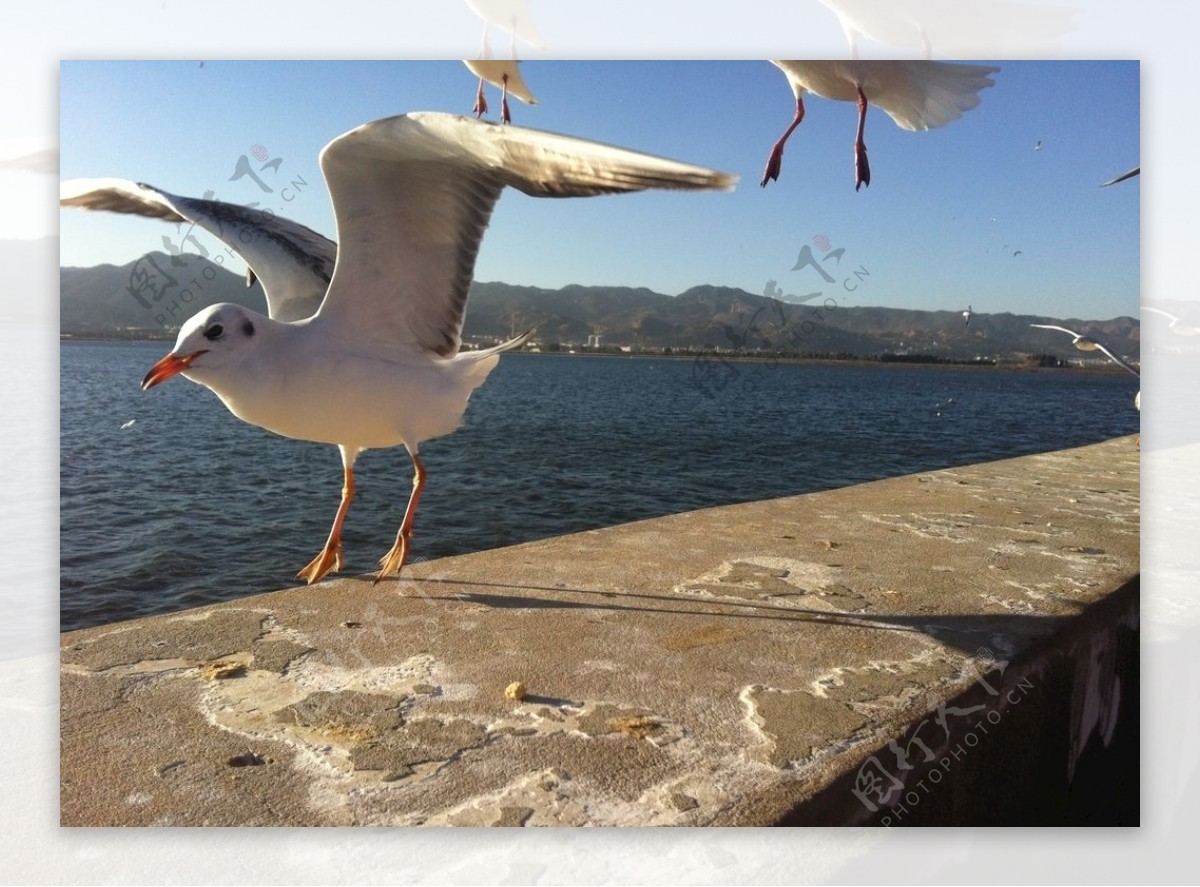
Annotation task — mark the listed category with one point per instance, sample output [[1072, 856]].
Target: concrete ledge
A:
[[800, 660]]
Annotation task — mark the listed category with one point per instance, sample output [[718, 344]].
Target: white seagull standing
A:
[[917, 95], [378, 363], [504, 74], [1087, 343]]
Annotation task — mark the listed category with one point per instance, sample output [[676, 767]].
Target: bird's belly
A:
[[358, 403]]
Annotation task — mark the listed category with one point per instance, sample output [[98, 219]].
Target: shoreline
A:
[[1105, 369]]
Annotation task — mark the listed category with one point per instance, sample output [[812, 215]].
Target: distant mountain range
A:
[[154, 295]]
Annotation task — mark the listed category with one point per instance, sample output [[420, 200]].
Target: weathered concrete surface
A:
[[728, 666]]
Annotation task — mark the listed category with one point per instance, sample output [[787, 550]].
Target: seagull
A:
[[376, 361], [502, 73], [967, 317], [509, 15], [917, 95], [1136, 171], [958, 28], [1178, 325], [1086, 343]]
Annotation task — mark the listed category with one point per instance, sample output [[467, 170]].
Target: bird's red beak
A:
[[168, 367]]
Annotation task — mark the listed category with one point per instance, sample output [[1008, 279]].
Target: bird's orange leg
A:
[[480, 101], [505, 117], [331, 555], [775, 160], [862, 169], [393, 561]]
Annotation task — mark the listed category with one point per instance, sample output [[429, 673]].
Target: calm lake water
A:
[[188, 505]]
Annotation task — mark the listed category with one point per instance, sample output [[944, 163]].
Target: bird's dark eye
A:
[[248, 328], [214, 332]]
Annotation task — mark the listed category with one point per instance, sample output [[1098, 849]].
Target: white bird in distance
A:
[[1178, 326], [1087, 343], [361, 344]]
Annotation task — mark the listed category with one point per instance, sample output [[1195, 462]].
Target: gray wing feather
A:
[[413, 195], [294, 263]]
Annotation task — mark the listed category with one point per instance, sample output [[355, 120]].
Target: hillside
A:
[[154, 295]]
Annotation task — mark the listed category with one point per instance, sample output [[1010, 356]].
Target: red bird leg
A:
[[480, 101], [505, 117], [393, 561], [775, 160], [862, 169]]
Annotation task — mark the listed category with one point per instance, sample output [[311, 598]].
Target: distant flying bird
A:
[[917, 95], [1087, 343], [128, 424], [1178, 325], [1136, 171], [379, 364], [1016, 253], [954, 28], [1038, 146], [502, 73], [967, 317]]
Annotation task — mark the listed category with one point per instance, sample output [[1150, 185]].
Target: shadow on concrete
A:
[[1044, 762], [966, 632]]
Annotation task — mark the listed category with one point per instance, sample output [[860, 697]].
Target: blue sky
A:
[[936, 229]]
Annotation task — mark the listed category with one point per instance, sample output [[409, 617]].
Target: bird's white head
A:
[[211, 343]]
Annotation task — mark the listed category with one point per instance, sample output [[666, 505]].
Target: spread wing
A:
[[1118, 361], [293, 262], [413, 194], [1136, 171], [1061, 329]]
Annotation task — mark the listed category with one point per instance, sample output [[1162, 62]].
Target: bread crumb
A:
[[515, 690]]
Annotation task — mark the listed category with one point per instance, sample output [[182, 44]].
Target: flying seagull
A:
[[917, 95], [513, 16], [955, 28], [377, 364], [504, 74], [1178, 325], [967, 317], [1087, 343]]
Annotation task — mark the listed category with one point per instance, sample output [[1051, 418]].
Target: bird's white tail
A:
[[935, 93], [478, 364]]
